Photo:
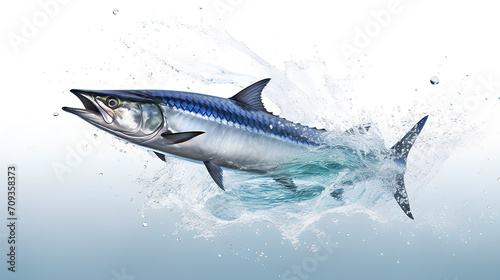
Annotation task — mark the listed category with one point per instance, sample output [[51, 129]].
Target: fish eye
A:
[[112, 102]]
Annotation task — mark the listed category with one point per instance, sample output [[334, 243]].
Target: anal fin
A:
[[287, 182]]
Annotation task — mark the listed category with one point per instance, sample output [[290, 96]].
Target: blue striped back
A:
[[233, 113]]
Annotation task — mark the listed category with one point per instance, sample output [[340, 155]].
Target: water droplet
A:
[[397, 261], [144, 224], [498, 180], [220, 255], [100, 174], [178, 239], [115, 12], [416, 89], [381, 254], [55, 114], [131, 199], [150, 74], [480, 233], [434, 80], [347, 234]]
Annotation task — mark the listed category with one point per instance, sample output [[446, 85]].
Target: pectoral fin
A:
[[178, 138], [215, 172]]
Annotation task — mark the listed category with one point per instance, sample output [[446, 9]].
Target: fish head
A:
[[131, 115]]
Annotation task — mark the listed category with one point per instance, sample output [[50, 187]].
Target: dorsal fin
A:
[[251, 95]]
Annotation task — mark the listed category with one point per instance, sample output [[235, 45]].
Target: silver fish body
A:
[[237, 132], [224, 144]]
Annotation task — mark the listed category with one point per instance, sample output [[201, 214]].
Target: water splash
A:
[[301, 91], [251, 198]]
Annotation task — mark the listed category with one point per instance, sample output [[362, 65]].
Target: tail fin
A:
[[400, 152]]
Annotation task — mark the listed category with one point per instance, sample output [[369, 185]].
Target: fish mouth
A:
[[92, 111]]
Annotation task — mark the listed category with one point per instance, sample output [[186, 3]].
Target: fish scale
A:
[[232, 113]]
